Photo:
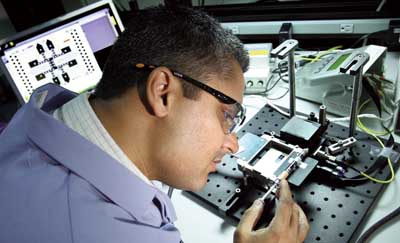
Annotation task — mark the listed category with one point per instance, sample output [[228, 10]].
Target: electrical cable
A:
[[318, 56], [373, 116], [268, 88], [389, 163], [369, 232], [356, 179], [282, 67], [385, 89], [281, 77], [374, 134], [343, 164], [366, 36], [365, 175], [309, 58], [277, 108], [279, 97], [370, 172], [364, 128], [275, 71]]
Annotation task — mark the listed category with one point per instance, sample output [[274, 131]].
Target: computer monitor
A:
[[68, 51]]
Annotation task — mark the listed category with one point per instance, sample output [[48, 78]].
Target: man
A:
[[81, 169]]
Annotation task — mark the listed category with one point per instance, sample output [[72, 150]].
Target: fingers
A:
[[284, 175], [250, 217], [284, 191], [289, 222], [294, 219], [303, 226], [285, 205]]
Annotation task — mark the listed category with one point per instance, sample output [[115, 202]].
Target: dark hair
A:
[[183, 39]]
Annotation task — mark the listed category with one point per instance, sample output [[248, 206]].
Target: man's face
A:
[[195, 141]]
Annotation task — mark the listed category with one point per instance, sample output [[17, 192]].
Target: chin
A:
[[197, 185]]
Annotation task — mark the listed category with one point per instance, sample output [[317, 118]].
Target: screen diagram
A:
[[63, 57]]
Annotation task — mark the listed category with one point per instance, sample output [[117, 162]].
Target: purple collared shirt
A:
[[55, 186]]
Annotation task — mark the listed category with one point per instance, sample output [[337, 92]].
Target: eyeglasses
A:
[[235, 115]]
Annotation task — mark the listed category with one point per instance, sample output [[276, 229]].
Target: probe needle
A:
[[282, 176]]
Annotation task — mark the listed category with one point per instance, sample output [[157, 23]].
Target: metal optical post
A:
[[355, 65], [287, 48]]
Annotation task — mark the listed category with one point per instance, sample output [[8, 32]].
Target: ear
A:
[[160, 90]]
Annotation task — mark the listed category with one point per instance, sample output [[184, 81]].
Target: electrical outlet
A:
[[254, 86], [346, 28]]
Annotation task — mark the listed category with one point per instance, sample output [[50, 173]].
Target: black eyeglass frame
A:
[[223, 98]]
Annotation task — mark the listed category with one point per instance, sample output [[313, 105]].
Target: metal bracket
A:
[[341, 145], [287, 48], [284, 49], [355, 67], [356, 64]]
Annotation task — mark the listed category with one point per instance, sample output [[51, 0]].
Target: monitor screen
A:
[[67, 51]]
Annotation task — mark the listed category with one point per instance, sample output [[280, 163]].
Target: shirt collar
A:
[[80, 117]]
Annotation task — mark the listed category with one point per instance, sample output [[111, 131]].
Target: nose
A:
[[230, 144]]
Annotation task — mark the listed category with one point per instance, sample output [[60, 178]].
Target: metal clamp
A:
[[355, 67], [287, 48], [341, 145]]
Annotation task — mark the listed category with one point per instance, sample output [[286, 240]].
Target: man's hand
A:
[[289, 225]]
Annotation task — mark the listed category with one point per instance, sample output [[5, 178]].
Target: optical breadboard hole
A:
[[334, 213]]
